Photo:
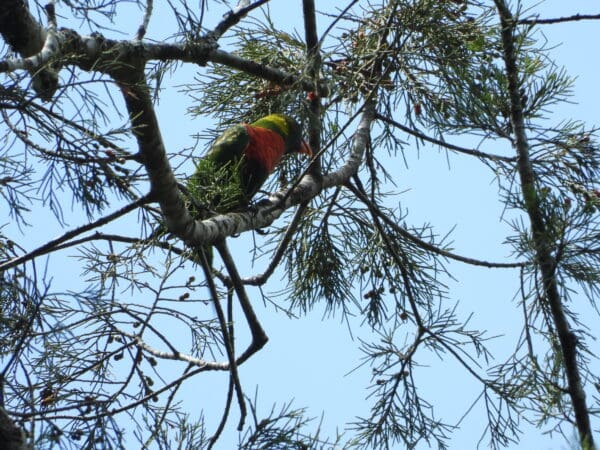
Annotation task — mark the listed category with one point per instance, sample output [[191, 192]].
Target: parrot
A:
[[241, 159], [239, 162]]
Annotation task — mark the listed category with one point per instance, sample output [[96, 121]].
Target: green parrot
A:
[[240, 161]]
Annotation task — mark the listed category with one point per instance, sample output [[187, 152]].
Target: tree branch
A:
[[259, 280], [233, 18], [574, 18], [314, 65], [28, 38], [456, 148], [542, 244], [259, 337], [141, 31], [228, 341], [97, 53]]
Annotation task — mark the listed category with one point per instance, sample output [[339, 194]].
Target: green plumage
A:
[[217, 182]]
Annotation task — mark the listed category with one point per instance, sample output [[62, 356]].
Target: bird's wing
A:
[[217, 181], [230, 146]]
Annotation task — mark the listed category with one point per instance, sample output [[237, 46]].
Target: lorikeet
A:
[[240, 161]]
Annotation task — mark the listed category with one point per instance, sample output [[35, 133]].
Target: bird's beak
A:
[[305, 148]]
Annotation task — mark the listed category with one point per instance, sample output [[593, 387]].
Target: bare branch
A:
[[281, 248], [573, 18], [456, 148], [232, 18], [141, 31], [314, 65], [28, 38]]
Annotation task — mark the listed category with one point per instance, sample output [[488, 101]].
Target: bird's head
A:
[[289, 130]]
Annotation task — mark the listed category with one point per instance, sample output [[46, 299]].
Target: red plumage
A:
[[265, 147]]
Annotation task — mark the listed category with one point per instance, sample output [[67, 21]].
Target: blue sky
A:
[[310, 360]]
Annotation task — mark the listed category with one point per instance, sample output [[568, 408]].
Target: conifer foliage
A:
[[110, 325]]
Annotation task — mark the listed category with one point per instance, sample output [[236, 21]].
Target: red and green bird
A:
[[240, 161]]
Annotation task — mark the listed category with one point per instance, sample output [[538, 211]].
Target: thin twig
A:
[[338, 17], [426, 245], [259, 280], [456, 148], [54, 243], [574, 18]]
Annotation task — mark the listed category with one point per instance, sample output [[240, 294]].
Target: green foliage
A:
[[216, 188], [285, 429], [315, 267], [65, 152], [222, 90]]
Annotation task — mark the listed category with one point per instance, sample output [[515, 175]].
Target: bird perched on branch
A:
[[239, 162], [241, 159]]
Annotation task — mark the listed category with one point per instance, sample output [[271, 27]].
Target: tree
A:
[[105, 361]]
